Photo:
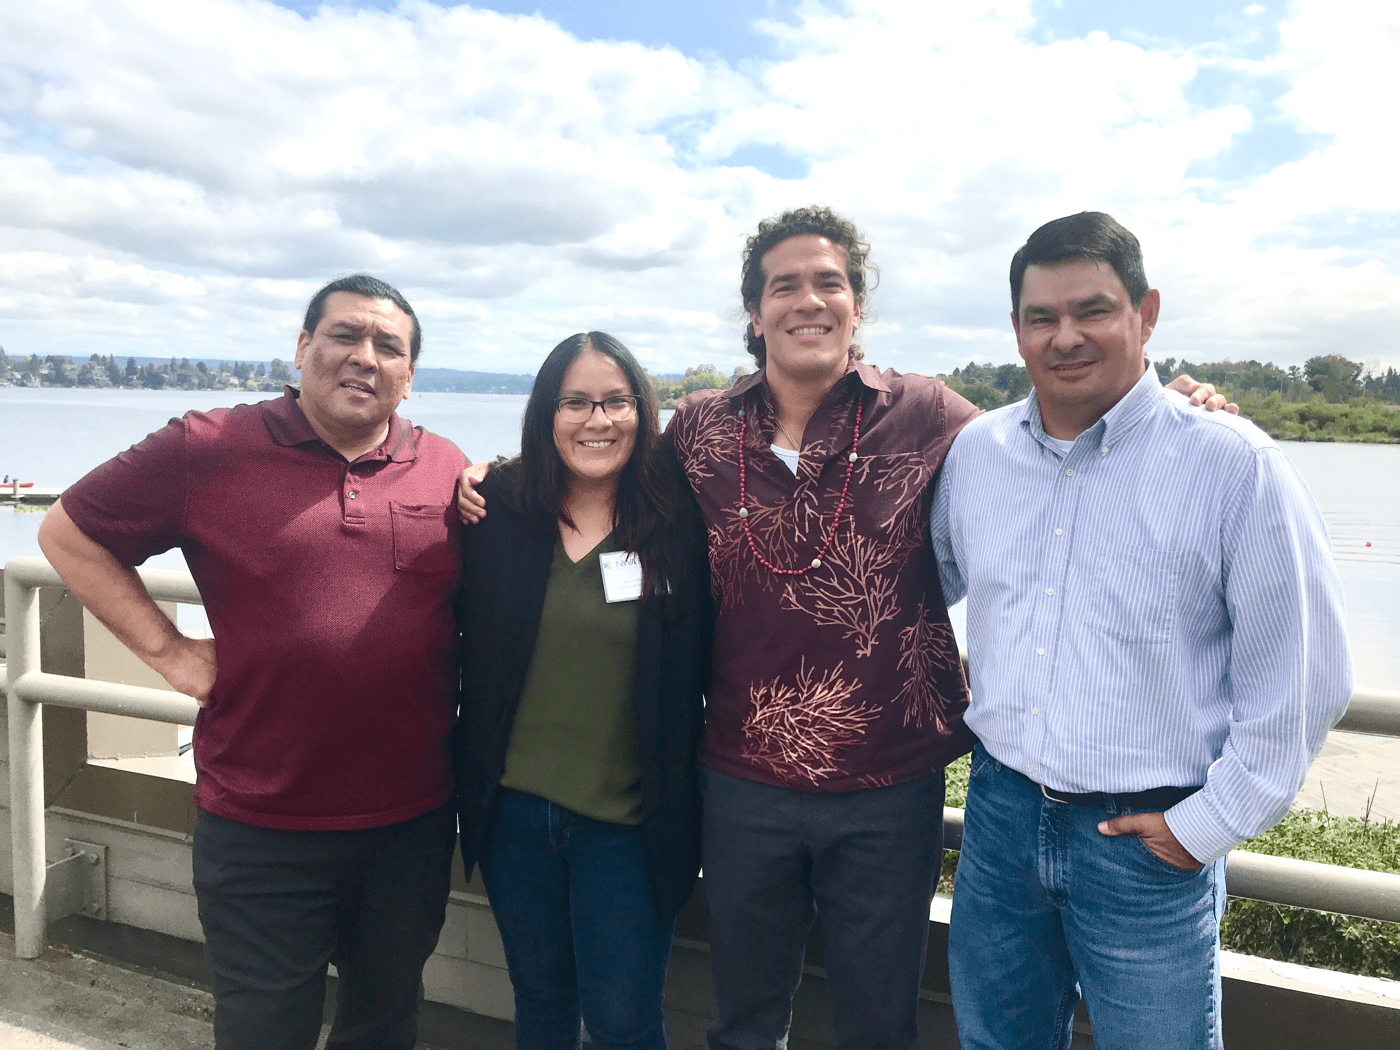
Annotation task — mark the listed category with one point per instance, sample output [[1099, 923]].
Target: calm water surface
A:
[[53, 437]]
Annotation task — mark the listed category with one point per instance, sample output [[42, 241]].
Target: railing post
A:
[[26, 767]]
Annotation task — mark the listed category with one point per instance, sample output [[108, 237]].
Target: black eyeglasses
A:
[[619, 408]]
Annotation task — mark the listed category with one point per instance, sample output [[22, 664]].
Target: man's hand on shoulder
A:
[[189, 667], [471, 505], [1202, 394], [1155, 834]]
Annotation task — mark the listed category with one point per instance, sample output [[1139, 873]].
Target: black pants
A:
[[278, 906], [862, 863]]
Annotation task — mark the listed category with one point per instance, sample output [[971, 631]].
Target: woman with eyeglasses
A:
[[586, 630]]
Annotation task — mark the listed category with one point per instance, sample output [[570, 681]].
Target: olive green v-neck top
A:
[[574, 740]]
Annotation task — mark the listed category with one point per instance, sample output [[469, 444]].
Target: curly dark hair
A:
[[821, 222]]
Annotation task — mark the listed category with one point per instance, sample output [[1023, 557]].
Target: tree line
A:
[[670, 390], [57, 370], [1328, 398]]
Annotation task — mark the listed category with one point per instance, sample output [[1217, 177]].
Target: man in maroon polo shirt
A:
[[318, 530]]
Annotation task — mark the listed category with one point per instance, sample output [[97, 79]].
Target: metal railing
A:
[[1281, 880], [29, 688]]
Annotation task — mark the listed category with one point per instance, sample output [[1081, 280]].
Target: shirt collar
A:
[[866, 374], [287, 425], [1132, 408]]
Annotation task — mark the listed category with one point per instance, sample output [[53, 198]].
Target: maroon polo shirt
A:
[[848, 676], [329, 587]]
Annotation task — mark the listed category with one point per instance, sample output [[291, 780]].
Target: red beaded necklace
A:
[[840, 504]]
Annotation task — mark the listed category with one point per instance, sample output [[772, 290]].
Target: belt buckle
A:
[[1046, 792]]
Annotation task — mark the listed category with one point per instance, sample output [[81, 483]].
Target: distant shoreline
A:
[[58, 371]]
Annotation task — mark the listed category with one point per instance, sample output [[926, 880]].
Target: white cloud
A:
[[179, 175]]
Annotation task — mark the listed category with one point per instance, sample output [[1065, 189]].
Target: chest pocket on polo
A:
[[425, 539], [1134, 594]]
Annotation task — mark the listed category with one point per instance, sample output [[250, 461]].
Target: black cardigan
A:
[[505, 567]]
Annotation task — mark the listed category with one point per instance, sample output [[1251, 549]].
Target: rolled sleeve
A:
[[1290, 666]]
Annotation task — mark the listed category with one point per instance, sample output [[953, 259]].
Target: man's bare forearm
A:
[[113, 593]]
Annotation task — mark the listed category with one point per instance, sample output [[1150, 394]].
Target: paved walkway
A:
[[61, 1001], [66, 1000]]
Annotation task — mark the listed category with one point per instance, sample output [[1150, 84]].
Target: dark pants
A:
[[573, 901], [277, 906], [864, 863]]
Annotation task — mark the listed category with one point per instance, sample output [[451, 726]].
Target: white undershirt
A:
[[790, 456], [1061, 445]]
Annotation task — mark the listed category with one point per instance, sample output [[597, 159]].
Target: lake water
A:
[[53, 437]]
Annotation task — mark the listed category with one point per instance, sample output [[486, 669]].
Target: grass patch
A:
[[1272, 931]]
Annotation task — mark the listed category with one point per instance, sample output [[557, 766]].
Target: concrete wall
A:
[[116, 736]]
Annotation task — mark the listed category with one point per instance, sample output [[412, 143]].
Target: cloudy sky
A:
[[178, 176]]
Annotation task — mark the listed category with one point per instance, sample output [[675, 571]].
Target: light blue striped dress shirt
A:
[[1158, 607]]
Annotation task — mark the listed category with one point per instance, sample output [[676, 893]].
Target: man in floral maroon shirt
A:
[[838, 695]]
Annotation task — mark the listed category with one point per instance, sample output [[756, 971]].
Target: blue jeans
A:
[[573, 900], [1046, 906]]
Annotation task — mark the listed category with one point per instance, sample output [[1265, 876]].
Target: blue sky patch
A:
[[723, 28], [1260, 148], [1247, 29], [1365, 232], [772, 160]]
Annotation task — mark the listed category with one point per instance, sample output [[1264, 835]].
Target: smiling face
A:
[[595, 451], [1082, 340], [808, 314], [355, 369]]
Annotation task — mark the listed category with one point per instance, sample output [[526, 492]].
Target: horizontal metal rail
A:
[[1321, 887], [165, 585], [1372, 711], [108, 698], [1281, 880]]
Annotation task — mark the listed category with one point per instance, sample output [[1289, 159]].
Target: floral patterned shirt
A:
[[847, 676]]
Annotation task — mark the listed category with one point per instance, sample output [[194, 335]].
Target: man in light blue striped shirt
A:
[[1151, 674]]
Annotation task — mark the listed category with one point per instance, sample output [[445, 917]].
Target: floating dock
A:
[[12, 494]]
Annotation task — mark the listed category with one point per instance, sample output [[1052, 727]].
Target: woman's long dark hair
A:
[[645, 508]]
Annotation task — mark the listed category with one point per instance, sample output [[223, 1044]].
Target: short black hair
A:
[[370, 288], [1093, 235], [799, 222]]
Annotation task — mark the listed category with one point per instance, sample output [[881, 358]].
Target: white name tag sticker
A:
[[622, 576]]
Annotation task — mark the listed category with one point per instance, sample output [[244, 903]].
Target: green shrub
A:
[[1273, 931], [1316, 938]]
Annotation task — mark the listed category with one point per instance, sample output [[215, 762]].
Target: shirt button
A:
[[1040, 652], [1035, 710], [1069, 472], [1049, 590], [353, 493], [1059, 532], [1032, 767]]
